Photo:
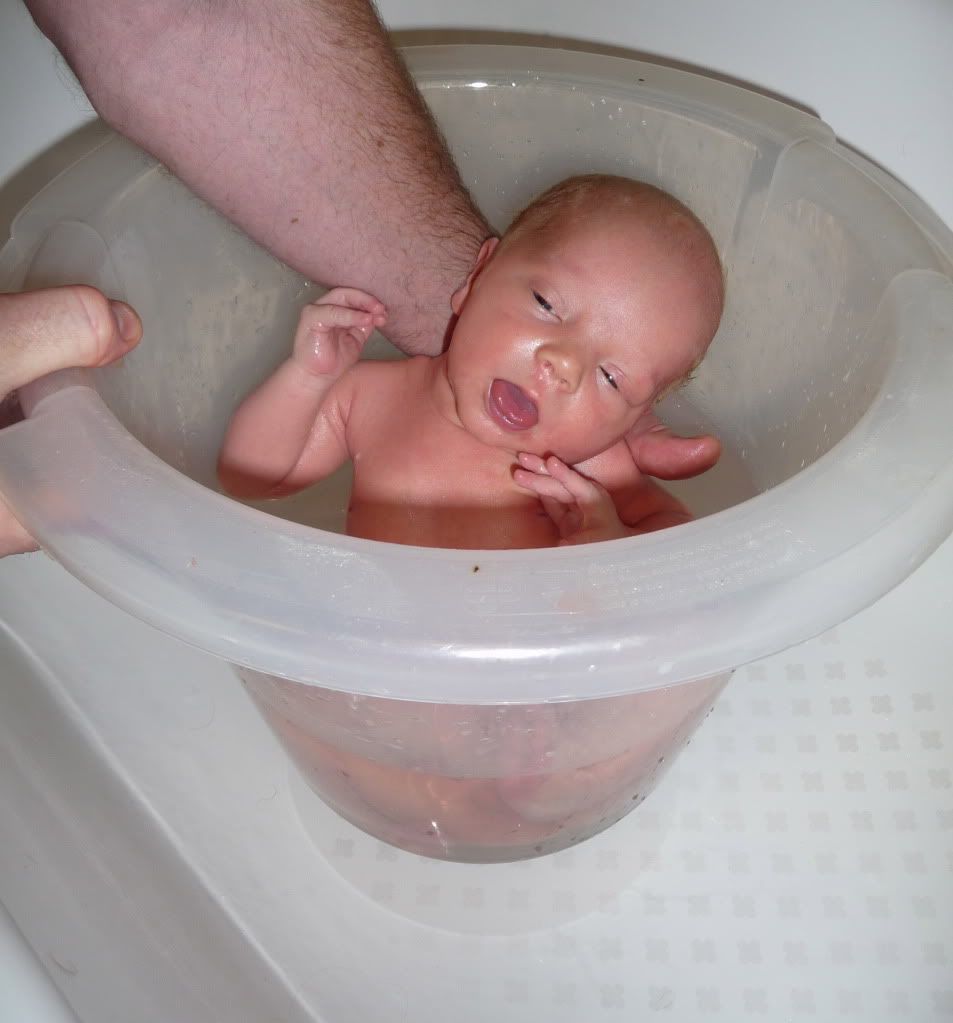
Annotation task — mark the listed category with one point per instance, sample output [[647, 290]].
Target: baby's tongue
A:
[[515, 408]]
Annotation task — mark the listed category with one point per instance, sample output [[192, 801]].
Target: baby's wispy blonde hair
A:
[[612, 196]]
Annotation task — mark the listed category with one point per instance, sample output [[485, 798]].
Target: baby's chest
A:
[[420, 483], [420, 460]]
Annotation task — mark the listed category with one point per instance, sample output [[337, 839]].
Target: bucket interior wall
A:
[[809, 248]]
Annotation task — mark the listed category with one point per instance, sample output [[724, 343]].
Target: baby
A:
[[601, 296]]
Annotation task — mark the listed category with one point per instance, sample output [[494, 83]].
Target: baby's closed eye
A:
[[543, 303]]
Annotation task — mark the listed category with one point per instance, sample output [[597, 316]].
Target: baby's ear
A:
[[458, 298]]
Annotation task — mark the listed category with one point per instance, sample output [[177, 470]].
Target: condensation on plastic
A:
[[829, 381]]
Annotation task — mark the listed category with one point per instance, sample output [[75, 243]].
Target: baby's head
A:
[[601, 296]]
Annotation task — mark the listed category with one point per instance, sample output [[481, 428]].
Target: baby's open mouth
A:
[[511, 406]]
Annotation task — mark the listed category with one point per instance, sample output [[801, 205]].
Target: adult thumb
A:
[[57, 328], [660, 453]]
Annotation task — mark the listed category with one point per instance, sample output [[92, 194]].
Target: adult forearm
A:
[[297, 120]]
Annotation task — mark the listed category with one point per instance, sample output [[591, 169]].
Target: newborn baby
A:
[[601, 296]]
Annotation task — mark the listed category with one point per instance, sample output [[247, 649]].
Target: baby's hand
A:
[[582, 510], [332, 331]]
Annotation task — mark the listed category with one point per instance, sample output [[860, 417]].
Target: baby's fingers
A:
[[533, 463], [330, 338], [355, 299], [562, 480], [325, 317], [542, 486], [582, 490]]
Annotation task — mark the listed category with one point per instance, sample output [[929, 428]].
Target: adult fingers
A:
[[659, 452], [56, 328]]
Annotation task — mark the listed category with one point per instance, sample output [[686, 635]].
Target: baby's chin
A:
[[568, 456], [534, 441]]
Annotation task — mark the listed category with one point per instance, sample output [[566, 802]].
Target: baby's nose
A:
[[560, 367]]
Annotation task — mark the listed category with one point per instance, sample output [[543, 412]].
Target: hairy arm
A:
[[298, 121]]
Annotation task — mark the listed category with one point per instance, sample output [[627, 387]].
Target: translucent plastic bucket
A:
[[489, 705]]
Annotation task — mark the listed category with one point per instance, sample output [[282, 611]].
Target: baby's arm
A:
[[287, 417], [584, 511]]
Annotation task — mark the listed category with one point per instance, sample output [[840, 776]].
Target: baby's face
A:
[[562, 345]]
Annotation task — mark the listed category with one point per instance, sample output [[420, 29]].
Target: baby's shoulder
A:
[[386, 372], [368, 380], [373, 389]]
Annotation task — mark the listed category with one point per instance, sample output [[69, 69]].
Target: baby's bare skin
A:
[[461, 492], [558, 352]]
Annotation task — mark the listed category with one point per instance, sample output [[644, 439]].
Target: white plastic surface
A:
[[26, 993], [796, 863], [829, 380]]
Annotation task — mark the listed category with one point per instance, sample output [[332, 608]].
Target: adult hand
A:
[[57, 328]]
